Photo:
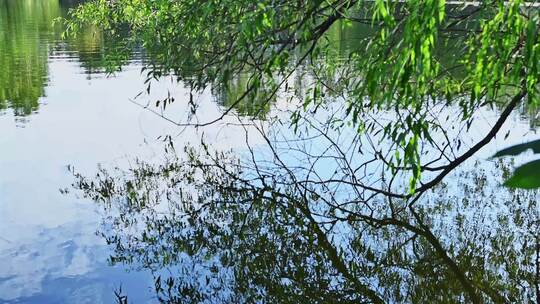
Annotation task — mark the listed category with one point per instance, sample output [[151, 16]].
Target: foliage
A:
[[396, 67], [526, 176], [517, 149]]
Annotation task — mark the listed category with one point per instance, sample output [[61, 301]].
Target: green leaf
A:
[[526, 176], [517, 149]]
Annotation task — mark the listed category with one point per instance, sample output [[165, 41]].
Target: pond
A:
[[61, 108], [58, 109]]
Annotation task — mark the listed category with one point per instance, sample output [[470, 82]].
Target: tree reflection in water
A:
[[23, 54], [215, 228]]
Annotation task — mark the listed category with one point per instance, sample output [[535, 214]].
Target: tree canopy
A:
[[414, 55]]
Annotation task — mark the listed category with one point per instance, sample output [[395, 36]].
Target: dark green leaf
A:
[[517, 149], [526, 176]]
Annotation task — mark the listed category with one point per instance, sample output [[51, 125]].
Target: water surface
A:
[[60, 107]]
